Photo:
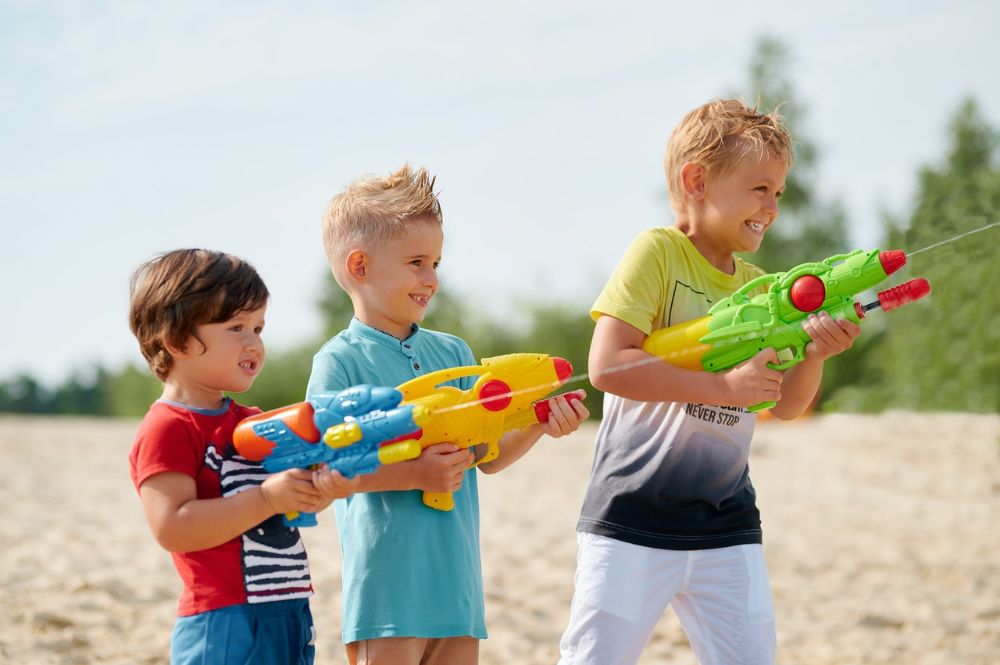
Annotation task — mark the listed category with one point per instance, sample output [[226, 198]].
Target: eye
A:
[[436, 264], [237, 328], [258, 330], [780, 194]]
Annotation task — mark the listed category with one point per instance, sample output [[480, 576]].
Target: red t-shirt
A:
[[268, 562]]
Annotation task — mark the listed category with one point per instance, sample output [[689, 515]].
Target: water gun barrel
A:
[[299, 418], [900, 295]]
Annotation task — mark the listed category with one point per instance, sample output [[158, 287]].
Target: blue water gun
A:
[[352, 431]]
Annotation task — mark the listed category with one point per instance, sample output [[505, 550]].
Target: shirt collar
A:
[[365, 331], [226, 403]]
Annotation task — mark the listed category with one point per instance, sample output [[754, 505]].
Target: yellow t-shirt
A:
[[664, 280], [670, 475]]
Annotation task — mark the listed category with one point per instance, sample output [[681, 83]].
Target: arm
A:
[[331, 484], [617, 344], [439, 468], [829, 338], [181, 522], [564, 418]]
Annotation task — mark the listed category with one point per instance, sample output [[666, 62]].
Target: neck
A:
[[193, 396], [718, 257], [398, 330]]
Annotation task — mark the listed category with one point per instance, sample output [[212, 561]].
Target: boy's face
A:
[[400, 278], [741, 205], [228, 358]]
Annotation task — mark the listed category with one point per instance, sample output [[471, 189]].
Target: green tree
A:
[[808, 228], [334, 305], [283, 379], [944, 352], [129, 391], [78, 395], [24, 394]]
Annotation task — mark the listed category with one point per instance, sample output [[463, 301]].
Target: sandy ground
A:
[[881, 533]]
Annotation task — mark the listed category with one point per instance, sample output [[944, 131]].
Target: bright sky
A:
[[133, 128]]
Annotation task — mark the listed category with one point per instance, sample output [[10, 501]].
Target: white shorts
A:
[[721, 596]]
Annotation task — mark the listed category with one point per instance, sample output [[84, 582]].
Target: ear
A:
[[174, 351], [693, 180], [357, 265]]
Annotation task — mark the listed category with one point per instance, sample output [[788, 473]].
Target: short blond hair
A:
[[372, 210], [719, 135]]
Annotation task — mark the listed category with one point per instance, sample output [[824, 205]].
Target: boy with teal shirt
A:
[[412, 582]]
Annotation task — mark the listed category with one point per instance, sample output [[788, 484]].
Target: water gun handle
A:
[[439, 500], [798, 354], [299, 519], [538, 413], [542, 408]]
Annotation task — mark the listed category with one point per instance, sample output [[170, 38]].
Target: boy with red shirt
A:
[[198, 317]]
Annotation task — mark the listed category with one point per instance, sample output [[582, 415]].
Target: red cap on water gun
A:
[[906, 292], [892, 260], [563, 368]]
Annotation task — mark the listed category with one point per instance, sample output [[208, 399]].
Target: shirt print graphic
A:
[[274, 560]]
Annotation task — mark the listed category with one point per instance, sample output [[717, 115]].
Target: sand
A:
[[881, 533]]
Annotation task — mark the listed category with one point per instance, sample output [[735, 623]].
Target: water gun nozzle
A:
[[892, 260], [563, 368]]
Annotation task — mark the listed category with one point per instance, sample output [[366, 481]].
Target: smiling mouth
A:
[[421, 300], [249, 365], [756, 227]]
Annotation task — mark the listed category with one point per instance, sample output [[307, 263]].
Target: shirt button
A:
[[416, 365], [406, 346]]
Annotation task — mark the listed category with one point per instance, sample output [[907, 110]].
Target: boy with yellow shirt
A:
[[670, 515]]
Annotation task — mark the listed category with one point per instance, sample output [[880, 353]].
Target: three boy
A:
[[670, 514]]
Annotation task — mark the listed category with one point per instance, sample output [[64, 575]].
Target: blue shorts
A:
[[280, 633]]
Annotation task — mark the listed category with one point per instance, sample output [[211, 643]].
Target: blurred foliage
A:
[[943, 353], [808, 228], [940, 353]]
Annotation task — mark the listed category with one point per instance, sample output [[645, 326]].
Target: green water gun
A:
[[740, 326]]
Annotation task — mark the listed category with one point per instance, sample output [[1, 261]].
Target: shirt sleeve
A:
[[635, 292], [165, 444], [328, 375]]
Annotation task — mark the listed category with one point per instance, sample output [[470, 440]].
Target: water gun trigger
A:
[[442, 501], [787, 357], [761, 407]]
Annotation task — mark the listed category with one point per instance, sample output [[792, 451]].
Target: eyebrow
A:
[[771, 183]]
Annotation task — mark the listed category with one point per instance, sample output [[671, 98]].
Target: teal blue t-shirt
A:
[[409, 570]]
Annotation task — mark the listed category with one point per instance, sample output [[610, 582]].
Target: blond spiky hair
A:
[[719, 135], [374, 209]]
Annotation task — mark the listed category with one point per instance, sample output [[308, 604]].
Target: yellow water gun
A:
[[504, 398]]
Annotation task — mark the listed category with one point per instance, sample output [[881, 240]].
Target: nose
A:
[[771, 206], [254, 342], [430, 278]]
